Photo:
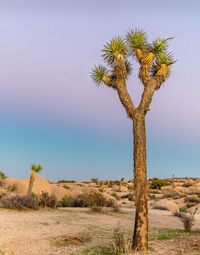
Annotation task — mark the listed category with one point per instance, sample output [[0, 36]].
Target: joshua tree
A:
[[155, 64], [35, 169]]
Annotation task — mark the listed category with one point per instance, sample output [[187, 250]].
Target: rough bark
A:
[[140, 238], [30, 187]]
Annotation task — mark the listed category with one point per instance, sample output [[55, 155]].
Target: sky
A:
[[51, 112]]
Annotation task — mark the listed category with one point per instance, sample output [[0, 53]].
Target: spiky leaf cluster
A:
[[116, 45], [129, 67], [137, 39], [166, 58], [36, 168], [97, 73], [158, 46]]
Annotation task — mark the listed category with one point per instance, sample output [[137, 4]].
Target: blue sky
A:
[[52, 113]]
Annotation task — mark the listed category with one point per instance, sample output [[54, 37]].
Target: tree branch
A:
[[118, 81], [147, 97], [120, 73]]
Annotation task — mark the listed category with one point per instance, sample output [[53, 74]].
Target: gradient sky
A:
[[52, 114]]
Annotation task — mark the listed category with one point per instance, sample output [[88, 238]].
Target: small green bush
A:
[[114, 194], [2, 175], [66, 201], [95, 180], [158, 183], [66, 181]]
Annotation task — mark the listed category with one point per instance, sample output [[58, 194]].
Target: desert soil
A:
[[46, 232]]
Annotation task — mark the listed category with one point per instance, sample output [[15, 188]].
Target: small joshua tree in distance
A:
[[35, 169]]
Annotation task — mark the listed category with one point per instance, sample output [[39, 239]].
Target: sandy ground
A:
[[42, 232]]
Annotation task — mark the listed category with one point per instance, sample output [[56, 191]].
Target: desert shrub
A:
[[154, 191], [183, 209], [117, 182], [171, 193], [189, 205], [66, 201], [33, 195], [116, 208], [12, 187], [187, 184], [95, 180], [20, 202], [88, 199], [130, 196], [2, 175], [159, 207], [187, 219], [192, 199], [130, 187], [97, 209], [151, 196], [66, 187], [107, 182], [44, 200], [121, 244], [158, 183], [111, 203], [80, 201], [66, 181], [114, 194]]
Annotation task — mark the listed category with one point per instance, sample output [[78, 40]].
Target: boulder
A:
[[58, 191], [20, 186], [165, 205]]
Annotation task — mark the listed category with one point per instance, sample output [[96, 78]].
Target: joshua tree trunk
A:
[[140, 238], [30, 187]]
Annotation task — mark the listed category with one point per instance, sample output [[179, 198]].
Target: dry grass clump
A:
[[29, 202], [172, 194], [46, 200], [116, 208], [20, 202], [121, 244], [97, 209], [77, 239]]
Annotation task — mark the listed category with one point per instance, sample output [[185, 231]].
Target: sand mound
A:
[[20, 186], [166, 205]]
